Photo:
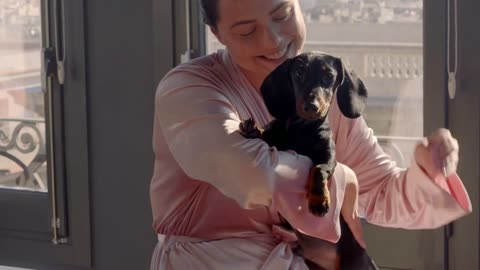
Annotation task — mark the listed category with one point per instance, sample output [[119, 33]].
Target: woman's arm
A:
[[200, 126], [394, 197]]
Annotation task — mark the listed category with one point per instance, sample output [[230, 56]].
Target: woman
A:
[[215, 195]]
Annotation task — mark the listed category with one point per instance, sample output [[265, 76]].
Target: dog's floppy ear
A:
[[351, 92], [278, 93]]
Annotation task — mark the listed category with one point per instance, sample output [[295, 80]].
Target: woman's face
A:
[[260, 34]]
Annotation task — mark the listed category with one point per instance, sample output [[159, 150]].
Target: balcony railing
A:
[[23, 150]]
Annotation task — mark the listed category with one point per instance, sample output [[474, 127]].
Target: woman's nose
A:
[[272, 37]]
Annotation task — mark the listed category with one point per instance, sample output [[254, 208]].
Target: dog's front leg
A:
[[274, 133], [318, 194], [249, 129]]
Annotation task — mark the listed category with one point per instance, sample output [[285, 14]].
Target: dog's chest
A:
[[310, 140]]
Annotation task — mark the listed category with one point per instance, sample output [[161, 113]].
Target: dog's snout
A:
[[310, 108]]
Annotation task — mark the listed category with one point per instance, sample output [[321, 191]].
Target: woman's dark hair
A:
[[209, 12]]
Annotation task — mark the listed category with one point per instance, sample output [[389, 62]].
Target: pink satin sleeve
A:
[[389, 196], [392, 196]]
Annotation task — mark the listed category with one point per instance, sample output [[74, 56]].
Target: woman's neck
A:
[[255, 79]]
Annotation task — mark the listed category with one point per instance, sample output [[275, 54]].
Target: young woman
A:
[[216, 196]]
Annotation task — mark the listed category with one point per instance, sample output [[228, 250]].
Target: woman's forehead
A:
[[243, 10]]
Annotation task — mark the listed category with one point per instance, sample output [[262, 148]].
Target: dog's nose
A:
[[310, 108]]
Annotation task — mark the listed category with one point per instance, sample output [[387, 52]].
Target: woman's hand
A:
[[350, 206], [437, 154]]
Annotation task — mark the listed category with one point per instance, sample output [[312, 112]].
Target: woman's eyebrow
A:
[[279, 6]]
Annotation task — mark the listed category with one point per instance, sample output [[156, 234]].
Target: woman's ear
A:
[[278, 93], [351, 92]]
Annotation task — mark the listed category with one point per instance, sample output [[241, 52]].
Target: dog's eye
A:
[[299, 75], [327, 79]]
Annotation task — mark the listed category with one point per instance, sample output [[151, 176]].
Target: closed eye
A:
[[248, 33], [284, 16]]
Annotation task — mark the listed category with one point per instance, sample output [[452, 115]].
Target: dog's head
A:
[[304, 86]]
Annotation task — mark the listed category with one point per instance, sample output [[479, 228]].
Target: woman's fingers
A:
[[425, 160], [444, 147], [438, 154]]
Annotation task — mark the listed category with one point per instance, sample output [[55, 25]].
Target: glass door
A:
[[23, 158]]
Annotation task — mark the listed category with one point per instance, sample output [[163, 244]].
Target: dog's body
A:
[[298, 94], [311, 138]]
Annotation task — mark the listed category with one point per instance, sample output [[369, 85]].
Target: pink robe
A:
[[215, 195]]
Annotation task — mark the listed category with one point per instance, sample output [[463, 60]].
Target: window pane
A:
[[22, 111], [382, 41]]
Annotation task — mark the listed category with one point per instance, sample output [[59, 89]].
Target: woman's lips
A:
[[275, 59], [277, 55]]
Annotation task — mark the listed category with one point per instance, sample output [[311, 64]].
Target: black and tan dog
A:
[[298, 94]]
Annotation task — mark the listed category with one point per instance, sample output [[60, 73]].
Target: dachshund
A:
[[298, 94]]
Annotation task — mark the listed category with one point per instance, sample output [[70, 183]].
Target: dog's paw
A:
[[319, 204], [318, 195], [249, 130]]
